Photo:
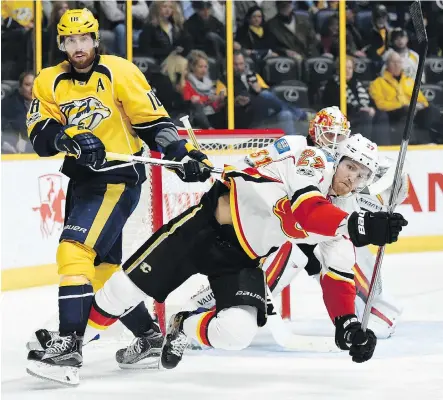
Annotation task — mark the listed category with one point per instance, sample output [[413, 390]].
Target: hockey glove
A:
[[87, 148], [350, 336], [377, 228], [196, 170]]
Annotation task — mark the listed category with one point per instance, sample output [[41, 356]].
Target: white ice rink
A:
[[407, 366]]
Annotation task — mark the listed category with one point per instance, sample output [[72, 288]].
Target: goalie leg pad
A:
[[231, 329], [282, 266]]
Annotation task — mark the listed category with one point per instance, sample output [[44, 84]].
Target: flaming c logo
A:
[[288, 224]]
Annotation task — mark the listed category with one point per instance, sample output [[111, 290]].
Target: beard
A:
[[341, 188], [87, 60]]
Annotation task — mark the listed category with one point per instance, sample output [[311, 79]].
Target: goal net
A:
[[164, 196]]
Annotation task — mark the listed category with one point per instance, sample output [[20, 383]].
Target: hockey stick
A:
[[190, 131], [417, 20], [152, 161], [289, 340]]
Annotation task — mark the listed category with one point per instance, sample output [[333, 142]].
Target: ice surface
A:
[[407, 366]]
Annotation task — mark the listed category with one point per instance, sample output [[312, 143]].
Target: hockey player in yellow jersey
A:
[[85, 106]]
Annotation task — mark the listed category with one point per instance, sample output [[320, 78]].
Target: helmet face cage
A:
[[61, 41], [330, 136], [362, 151]]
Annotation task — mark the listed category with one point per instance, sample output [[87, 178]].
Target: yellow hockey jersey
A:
[[113, 100], [20, 11]]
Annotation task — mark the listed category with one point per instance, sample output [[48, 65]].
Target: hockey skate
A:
[[175, 341], [60, 362], [143, 353]]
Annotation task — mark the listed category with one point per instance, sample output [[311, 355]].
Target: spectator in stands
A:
[[257, 86], [242, 8], [168, 84], [354, 40], [254, 103], [399, 44], [376, 41], [292, 35], [199, 89], [55, 56], [16, 42], [112, 17], [14, 109], [392, 93], [207, 32], [329, 42], [164, 32], [254, 37], [364, 118]]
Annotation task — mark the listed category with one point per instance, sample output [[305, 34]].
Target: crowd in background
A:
[[285, 62]]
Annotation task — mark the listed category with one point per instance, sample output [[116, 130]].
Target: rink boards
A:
[[33, 211]]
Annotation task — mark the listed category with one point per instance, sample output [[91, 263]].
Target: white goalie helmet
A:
[[362, 151], [329, 127]]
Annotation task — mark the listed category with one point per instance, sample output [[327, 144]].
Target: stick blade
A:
[[417, 21]]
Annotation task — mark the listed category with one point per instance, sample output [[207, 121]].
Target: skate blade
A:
[[155, 365], [68, 376]]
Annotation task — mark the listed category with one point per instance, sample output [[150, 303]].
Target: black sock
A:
[[74, 304], [138, 320]]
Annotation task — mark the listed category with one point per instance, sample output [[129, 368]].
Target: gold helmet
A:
[[77, 22]]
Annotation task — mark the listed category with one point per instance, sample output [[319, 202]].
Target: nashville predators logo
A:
[[86, 113], [288, 224]]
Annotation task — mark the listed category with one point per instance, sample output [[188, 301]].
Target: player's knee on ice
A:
[[234, 328]]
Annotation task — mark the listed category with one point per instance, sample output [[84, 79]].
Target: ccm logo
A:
[[76, 228], [361, 223]]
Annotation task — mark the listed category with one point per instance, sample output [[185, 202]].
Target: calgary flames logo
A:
[[86, 113], [288, 224]]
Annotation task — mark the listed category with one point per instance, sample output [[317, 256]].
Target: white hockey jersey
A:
[[287, 200]]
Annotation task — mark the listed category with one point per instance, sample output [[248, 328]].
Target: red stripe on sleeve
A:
[[318, 215], [338, 296]]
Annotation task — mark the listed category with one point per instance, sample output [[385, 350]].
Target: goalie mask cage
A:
[[164, 196]]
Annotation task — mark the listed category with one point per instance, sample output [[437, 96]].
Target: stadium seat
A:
[[434, 69], [319, 69], [293, 92], [279, 69], [6, 90], [434, 94], [322, 16], [302, 13], [363, 69], [363, 20], [145, 63]]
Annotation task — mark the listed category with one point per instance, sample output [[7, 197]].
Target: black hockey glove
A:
[[377, 228], [196, 170], [87, 148], [350, 336]]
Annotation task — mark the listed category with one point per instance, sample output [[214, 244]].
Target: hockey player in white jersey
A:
[[236, 223], [327, 130]]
